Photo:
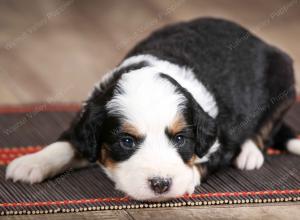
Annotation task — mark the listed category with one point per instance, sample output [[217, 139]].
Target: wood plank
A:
[[219, 212], [91, 215]]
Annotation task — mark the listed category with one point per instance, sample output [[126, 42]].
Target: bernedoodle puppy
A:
[[191, 98]]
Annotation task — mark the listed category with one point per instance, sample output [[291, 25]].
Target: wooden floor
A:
[[54, 51]]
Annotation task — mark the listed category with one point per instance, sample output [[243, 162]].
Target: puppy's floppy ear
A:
[[205, 128], [85, 131]]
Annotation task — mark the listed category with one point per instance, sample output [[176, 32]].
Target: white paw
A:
[[293, 146], [31, 168], [250, 157]]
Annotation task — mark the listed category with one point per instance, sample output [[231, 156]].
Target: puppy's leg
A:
[[52, 160], [250, 157]]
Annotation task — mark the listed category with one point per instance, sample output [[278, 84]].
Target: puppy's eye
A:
[[179, 140], [127, 142]]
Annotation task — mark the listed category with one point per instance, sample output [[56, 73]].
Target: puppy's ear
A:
[[204, 126], [205, 129], [85, 131]]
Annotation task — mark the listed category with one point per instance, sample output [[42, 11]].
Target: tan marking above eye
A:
[[131, 129], [177, 125]]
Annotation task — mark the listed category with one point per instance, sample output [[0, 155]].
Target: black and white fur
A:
[[229, 102]]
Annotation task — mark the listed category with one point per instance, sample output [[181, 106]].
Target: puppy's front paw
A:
[[31, 168], [250, 157]]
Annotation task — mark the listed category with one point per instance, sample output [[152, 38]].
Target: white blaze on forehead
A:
[[148, 101], [184, 76]]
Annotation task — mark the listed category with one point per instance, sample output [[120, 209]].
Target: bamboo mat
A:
[[26, 129]]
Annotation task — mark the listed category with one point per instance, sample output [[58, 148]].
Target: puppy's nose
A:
[[159, 184]]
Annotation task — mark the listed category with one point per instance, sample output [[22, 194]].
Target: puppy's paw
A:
[[293, 146], [250, 157], [32, 168]]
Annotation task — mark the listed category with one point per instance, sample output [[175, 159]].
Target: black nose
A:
[[159, 184]]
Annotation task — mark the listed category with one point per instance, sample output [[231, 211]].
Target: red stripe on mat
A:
[[125, 199], [20, 150], [9, 154], [72, 107]]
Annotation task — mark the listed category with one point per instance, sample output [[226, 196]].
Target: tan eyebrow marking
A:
[[177, 125], [131, 129]]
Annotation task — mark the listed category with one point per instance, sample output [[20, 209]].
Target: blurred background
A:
[[55, 51]]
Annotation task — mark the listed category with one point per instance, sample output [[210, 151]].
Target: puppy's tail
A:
[[286, 139]]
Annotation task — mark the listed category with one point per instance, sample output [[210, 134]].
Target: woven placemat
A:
[[26, 129]]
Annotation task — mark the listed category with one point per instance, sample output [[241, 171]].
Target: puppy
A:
[[189, 99]]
